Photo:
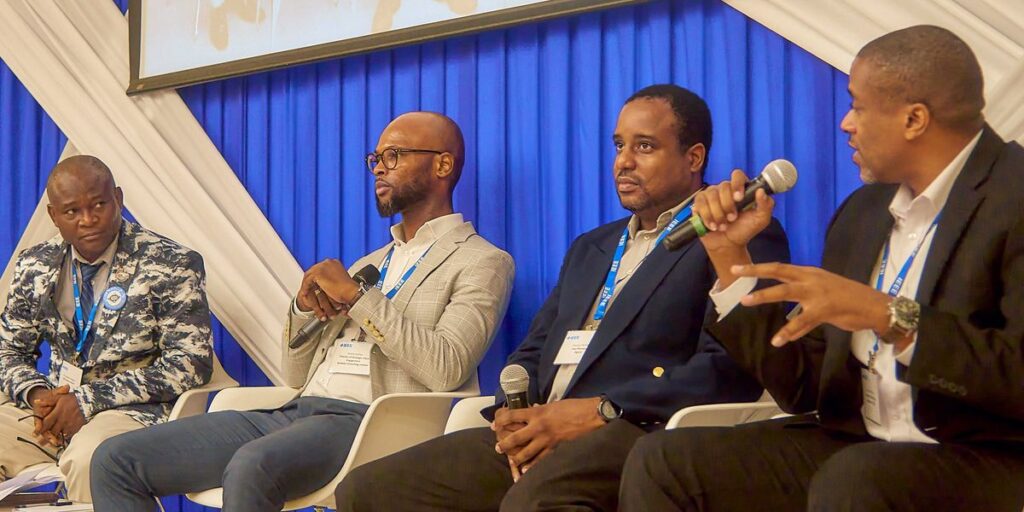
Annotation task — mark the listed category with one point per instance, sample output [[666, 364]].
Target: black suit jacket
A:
[[655, 322], [968, 367]]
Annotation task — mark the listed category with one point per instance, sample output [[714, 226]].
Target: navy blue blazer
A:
[[655, 322]]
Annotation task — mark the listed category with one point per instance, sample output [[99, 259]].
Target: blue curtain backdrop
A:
[[537, 104]]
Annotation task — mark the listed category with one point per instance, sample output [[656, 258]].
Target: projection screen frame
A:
[[347, 47]]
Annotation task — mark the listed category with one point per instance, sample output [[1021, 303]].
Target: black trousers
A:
[[462, 472], [794, 464]]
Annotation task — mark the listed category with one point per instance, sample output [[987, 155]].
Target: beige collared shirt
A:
[[913, 219], [358, 388], [639, 245], [65, 296]]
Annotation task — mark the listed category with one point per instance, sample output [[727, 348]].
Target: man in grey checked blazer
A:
[[425, 327], [150, 340]]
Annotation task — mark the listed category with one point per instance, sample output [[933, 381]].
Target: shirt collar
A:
[[934, 197], [107, 256], [663, 220], [429, 232]]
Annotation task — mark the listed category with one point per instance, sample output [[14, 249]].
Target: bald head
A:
[[929, 65], [78, 171], [439, 132]]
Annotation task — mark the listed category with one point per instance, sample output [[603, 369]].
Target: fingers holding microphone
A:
[[728, 225], [326, 289]]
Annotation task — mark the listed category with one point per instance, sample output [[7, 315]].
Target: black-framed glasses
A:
[[389, 157]]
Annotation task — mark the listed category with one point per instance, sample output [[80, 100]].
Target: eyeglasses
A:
[[389, 157]]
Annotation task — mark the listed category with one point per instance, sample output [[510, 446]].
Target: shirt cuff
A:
[[727, 299], [298, 312], [907, 355]]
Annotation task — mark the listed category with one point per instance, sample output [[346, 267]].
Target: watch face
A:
[[608, 410]]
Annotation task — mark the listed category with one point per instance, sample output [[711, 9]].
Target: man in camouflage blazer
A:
[[150, 339]]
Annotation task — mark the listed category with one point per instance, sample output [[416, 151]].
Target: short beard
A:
[[401, 198]]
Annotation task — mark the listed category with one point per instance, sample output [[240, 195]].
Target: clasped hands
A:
[[824, 297], [56, 413], [327, 290], [528, 435]]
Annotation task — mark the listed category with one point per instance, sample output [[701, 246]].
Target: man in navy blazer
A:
[[615, 350]]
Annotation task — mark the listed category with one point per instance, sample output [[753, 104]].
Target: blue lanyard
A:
[[401, 282], [901, 277], [83, 326], [609, 282]]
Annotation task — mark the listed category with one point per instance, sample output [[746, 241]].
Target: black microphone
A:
[[777, 177], [367, 276], [515, 382]]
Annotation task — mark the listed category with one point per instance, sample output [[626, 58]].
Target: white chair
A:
[[392, 423], [466, 414], [190, 403], [725, 415]]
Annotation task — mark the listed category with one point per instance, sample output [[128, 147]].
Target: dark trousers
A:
[[462, 472], [793, 464], [260, 458]]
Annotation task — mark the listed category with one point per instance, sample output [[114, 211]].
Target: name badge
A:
[[573, 347], [352, 357], [70, 375], [871, 409]]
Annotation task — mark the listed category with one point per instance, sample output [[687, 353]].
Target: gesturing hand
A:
[[823, 296]]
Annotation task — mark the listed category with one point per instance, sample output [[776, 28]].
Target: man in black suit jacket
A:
[[646, 357], [909, 338]]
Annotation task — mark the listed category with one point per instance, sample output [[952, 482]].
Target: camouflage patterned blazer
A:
[[143, 356]]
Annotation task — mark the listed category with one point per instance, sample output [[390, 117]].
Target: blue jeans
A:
[[260, 458]]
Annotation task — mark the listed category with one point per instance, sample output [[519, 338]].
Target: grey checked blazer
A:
[[435, 331]]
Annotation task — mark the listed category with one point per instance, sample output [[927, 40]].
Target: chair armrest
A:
[[193, 401], [249, 398], [722, 415], [466, 414]]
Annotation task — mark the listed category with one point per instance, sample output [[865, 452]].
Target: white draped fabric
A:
[[834, 30], [72, 56]]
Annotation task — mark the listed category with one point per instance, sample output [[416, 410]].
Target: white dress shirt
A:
[[358, 388], [639, 245], [913, 217]]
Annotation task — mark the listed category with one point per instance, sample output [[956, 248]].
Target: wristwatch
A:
[[904, 316], [363, 288], [607, 409]]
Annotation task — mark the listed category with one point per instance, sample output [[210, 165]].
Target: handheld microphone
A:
[[367, 276], [777, 177], [515, 382]]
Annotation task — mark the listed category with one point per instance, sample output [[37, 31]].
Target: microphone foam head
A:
[[780, 175], [514, 379], [368, 275]]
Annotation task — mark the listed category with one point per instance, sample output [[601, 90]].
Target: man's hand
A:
[[546, 426], [823, 296], [66, 418], [327, 290], [502, 433], [43, 400], [730, 230]]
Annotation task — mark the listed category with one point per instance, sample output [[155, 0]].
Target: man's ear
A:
[[445, 165], [918, 119], [698, 155]]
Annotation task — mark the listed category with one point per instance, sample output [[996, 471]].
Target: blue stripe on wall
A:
[[537, 104]]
